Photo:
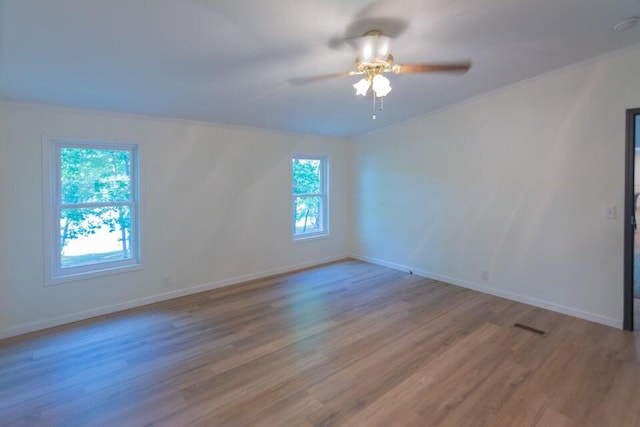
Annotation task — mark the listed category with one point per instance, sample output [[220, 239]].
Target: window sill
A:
[[301, 239], [58, 280]]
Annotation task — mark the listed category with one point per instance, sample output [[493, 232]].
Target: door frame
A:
[[629, 216]]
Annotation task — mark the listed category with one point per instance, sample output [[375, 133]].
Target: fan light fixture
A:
[[374, 60], [380, 84], [362, 87]]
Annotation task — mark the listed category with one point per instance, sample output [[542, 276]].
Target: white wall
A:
[[513, 182], [216, 210]]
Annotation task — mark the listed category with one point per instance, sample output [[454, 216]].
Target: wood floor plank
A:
[[347, 343]]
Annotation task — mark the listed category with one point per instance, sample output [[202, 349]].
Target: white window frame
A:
[[54, 272], [324, 196]]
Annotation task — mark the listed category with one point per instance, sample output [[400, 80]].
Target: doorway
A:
[[631, 217]]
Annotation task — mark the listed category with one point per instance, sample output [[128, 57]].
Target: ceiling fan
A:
[[374, 60]]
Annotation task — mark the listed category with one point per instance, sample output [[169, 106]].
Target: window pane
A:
[[89, 236], [308, 215], [94, 175], [306, 176]]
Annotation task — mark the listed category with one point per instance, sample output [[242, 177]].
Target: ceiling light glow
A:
[[367, 52]]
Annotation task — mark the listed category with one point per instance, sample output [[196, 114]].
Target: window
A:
[[93, 208], [310, 189]]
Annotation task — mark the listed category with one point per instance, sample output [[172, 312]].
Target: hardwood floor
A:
[[348, 344]]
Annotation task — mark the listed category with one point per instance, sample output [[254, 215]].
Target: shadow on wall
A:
[[636, 275], [636, 247]]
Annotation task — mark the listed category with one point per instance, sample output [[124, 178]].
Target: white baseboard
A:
[[581, 314], [100, 311]]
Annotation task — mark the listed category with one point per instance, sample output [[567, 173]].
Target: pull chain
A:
[[373, 97]]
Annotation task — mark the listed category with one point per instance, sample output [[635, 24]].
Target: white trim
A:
[[53, 273], [558, 308], [107, 269], [324, 195], [100, 311], [310, 237]]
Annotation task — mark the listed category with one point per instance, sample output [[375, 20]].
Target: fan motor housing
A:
[[374, 65]]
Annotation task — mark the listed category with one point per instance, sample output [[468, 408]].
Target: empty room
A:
[[319, 213]]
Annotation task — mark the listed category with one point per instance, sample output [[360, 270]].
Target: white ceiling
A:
[[228, 61]]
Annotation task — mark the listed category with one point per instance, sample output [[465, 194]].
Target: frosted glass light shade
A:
[[362, 87], [381, 85]]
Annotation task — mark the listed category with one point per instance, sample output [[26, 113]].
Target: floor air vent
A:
[[530, 329]]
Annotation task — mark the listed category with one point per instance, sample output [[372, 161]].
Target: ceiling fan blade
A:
[[455, 67], [298, 81]]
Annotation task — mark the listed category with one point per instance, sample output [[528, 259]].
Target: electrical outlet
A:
[[485, 275], [610, 212], [165, 282]]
